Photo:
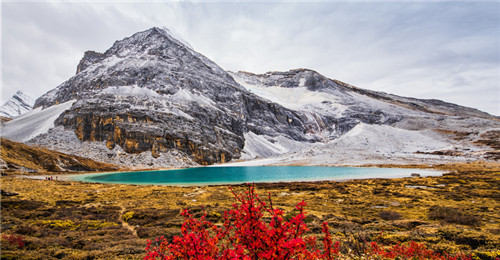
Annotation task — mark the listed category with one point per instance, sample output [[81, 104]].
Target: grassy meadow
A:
[[458, 212]]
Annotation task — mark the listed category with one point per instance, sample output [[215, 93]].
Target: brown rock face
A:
[[137, 133]]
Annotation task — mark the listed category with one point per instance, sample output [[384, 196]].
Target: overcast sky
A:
[[426, 49]]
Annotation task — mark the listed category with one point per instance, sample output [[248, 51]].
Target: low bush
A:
[[98, 224], [389, 215], [472, 238], [244, 235], [25, 230], [411, 250], [495, 255], [21, 204], [127, 216], [60, 224], [453, 215], [156, 217]]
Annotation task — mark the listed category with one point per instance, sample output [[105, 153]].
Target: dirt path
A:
[[124, 223]]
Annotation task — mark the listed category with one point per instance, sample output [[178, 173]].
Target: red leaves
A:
[[327, 244], [245, 235], [256, 239], [412, 250], [199, 240]]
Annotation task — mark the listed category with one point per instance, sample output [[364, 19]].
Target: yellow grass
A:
[[50, 213]]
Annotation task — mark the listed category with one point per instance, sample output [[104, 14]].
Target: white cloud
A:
[[448, 51]]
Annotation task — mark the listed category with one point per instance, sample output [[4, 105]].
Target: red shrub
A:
[[244, 235], [412, 250]]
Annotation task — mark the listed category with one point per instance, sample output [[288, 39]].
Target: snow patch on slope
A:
[[259, 146], [186, 95], [33, 123], [299, 98], [380, 144], [267, 146], [133, 90], [387, 139], [364, 144]]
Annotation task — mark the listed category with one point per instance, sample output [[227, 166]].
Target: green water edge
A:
[[402, 173]]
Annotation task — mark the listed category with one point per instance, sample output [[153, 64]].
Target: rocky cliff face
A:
[[89, 58], [150, 93]]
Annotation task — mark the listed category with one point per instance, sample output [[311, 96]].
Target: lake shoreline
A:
[[424, 170]]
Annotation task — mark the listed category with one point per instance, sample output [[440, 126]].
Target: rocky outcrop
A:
[[89, 58], [138, 131]]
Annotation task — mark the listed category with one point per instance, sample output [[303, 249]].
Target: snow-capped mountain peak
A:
[[145, 60], [18, 104]]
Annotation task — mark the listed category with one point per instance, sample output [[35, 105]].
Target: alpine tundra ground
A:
[[459, 211]]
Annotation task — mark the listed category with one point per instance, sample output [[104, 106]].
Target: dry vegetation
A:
[[73, 220], [18, 157]]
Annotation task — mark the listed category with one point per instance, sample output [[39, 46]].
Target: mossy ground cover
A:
[[74, 220]]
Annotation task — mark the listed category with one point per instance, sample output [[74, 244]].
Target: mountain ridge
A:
[[151, 94], [412, 103]]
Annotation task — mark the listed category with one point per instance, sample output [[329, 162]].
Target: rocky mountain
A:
[[151, 100], [149, 92], [18, 104]]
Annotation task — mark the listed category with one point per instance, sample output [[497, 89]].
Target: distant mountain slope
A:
[[24, 158], [381, 127], [18, 104], [34, 122], [310, 83], [152, 101]]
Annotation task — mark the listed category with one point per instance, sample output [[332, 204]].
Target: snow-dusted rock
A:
[[17, 105]]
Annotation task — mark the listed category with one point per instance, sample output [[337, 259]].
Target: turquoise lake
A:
[[237, 175]]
